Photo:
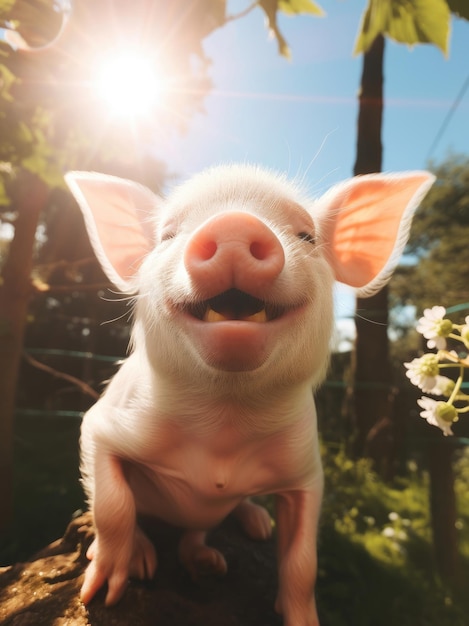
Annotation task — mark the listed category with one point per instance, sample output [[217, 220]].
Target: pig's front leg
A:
[[120, 548], [297, 522]]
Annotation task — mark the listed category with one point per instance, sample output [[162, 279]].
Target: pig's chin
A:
[[234, 331], [232, 346]]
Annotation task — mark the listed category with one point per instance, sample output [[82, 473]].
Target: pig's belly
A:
[[193, 500]]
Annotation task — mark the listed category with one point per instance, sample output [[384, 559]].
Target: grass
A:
[[375, 553]]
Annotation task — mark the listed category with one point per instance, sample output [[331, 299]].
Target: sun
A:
[[128, 82]]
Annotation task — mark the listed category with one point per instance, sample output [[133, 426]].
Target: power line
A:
[[448, 116]]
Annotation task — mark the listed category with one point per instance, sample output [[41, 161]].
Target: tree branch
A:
[[84, 388], [237, 16], [41, 287]]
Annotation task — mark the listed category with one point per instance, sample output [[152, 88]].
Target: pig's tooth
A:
[[260, 317], [213, 316]]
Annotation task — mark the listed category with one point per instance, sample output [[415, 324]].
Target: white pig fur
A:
[[207, 412]]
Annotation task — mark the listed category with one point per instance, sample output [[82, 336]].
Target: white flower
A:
[[443, 386], [423, 372], [437, 413], [465, 332], [434, 327]]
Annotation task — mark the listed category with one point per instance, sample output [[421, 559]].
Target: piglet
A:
[[233, 278]]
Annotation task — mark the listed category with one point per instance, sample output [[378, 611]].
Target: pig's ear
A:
[[364, 225], [118, 217]]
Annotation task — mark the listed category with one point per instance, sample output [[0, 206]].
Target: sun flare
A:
[[129, 83]]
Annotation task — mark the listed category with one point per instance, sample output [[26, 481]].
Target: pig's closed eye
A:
[[169, 234], [308, 237]]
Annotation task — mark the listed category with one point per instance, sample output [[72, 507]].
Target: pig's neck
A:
[[242, 404]]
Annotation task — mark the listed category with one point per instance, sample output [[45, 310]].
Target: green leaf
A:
[[405, 21], [289, 7], [460, 8], [294, 7]]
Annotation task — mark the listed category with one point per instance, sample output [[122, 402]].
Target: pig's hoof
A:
[[143, 563], [206, 560], [95, 578], [198, 558], [91, 550], [255, 520]]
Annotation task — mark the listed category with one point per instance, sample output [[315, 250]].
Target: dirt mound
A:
[[45, 590]]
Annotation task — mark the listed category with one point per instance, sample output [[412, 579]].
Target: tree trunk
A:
[[444, 511], [371, 362], [15, 290], [370, 114]]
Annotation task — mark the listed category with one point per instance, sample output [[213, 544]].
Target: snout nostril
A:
[[206, 250], [258, 250]]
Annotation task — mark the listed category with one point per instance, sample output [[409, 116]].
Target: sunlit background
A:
[[296, 115], [129, 82], [155, 91]]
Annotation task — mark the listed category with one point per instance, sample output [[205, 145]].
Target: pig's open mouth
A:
[[235, 305]]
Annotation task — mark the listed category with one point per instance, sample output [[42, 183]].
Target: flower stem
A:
[[457, 386]]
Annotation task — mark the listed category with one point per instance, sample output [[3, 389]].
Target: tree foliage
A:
[[50, 117], [417, 21], [439, 268], [410, 22], [289, 7]]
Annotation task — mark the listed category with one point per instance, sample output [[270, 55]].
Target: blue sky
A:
[[300, 116]]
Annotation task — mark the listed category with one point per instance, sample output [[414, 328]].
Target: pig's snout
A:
[[234, 250]]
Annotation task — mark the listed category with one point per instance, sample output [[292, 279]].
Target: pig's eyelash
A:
[[308, 237], [303, 235], [166, 236], [170, 229]]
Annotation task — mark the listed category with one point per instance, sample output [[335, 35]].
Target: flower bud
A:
[[443, 327], [446, 412]]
